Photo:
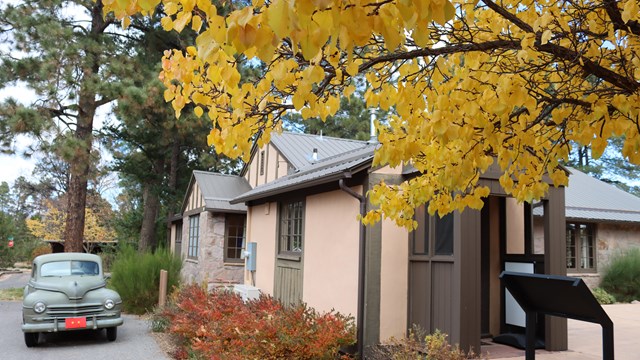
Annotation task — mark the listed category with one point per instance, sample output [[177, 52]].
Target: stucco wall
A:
[[393, 281], [210, 266], [262, 229], [331, 252], [611, 239]]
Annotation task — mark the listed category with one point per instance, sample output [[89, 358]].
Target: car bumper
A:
[[56, 325]]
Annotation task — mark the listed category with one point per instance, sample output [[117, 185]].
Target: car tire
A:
[[112, 333], [31, 339]]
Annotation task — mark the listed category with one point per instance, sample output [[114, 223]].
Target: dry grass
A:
[[12, 294]]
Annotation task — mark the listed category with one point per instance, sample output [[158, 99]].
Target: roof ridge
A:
[[321, 162], [323, 136]]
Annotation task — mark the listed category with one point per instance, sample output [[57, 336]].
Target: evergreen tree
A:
[[64, 53], [153, 150]]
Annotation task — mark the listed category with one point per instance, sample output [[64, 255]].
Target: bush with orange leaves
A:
[[219, 325]]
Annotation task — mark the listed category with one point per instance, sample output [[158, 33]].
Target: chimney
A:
[[315, 154], [373, 139]]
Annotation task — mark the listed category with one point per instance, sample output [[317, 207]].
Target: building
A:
[[442, 276]]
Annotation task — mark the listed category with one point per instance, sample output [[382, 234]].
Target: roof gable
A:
[[323, 171], [297, 148], [217, 190]]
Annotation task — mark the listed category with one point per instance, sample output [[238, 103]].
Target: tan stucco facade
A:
[[331, 252], [262, 229], [393, 281]]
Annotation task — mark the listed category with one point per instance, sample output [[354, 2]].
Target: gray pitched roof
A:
[[324, 171], [218, 189], [589, 199], [298, 148]]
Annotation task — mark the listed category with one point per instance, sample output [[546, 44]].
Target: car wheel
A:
[[112, 333], [31, 339]]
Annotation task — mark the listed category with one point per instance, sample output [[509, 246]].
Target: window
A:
[[433, 235], [291, 227], [178, 249], [194, 233], [580, 247], [233, 237]]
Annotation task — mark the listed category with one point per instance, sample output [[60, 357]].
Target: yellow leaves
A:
[[631, 10], [597, 147], [452, 116], [546, 36], [279, 17]]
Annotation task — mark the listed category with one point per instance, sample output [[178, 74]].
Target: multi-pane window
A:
[[434, 234], [262, 162], [194, 234], [581, 252], [291, 227], [234, 237]]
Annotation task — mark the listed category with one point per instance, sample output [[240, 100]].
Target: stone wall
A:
[[611, 239], [209, 267]]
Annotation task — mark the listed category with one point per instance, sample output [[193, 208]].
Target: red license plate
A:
[[75, 323]]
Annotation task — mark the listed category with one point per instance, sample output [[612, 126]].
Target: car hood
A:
[[74, 287]]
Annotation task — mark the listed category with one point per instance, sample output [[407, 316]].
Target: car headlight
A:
[[39, 307], [109, 304]]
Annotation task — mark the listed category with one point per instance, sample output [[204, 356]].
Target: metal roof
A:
[[589, 199], [218, 189], [324, 171], [297, 148]]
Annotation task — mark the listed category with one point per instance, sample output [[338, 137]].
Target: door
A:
[[290, 252], [431, 271]]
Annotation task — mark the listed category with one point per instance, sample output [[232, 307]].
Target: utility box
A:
[[250, 255], [247, 292]]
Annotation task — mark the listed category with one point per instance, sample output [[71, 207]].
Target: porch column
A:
[[555, 261]]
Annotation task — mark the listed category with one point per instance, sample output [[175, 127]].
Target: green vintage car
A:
[[67, 292]]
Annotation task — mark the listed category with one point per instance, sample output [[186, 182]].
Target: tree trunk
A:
[[148, 240], [80, 160]]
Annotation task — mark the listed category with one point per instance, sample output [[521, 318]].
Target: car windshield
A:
[[69, 267]]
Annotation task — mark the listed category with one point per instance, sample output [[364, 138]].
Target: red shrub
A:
[[219, 325]]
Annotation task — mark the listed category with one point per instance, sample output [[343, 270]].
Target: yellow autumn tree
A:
[[51, 226], [468, 83]]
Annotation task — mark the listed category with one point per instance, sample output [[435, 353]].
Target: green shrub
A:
[[622, 277], [603, 297], [136, 277], [219, 325]]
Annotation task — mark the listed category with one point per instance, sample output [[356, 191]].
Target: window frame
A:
[[578, 247], [194, 237], [430, 227], [285, 251], [227, 228], [178, 240]]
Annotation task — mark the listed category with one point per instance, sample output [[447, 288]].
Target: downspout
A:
[[361, 266]]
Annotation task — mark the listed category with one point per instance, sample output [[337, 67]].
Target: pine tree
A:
[[66, 54]]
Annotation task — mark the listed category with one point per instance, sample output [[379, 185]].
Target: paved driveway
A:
[[585, 339], [134, 341]]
